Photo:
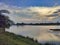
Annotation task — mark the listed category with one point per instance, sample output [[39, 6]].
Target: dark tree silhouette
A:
[[4, 20]]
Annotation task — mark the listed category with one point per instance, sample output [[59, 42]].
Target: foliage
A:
[[4, 20]]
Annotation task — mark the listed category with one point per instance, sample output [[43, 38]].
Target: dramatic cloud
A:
[[32, 14]]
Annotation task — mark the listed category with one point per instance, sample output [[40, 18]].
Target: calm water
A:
[[41, 33]]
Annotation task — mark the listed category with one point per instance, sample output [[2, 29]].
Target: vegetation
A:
[[5, 22], [12, 39], [57, 23]]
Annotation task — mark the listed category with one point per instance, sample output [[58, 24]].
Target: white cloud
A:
[[31, 14]]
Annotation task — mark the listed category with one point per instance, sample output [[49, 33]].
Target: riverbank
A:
[[12, 39]]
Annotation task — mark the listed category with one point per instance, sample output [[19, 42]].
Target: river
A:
[[40, 33]]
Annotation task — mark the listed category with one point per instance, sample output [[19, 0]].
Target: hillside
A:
[[12, 39]]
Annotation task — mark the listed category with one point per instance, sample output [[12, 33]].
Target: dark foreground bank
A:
[[12, 39]]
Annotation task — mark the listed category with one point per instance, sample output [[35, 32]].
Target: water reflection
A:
[[37, 32]]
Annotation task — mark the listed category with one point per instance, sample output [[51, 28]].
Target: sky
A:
[[26, 3], [32, 10]]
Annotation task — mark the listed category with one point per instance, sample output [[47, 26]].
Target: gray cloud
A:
[[53, 15], [57, 11]]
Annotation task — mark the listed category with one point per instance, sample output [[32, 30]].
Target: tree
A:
[[4, 20]]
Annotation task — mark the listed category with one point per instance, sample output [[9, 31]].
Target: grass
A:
[[12, 39]]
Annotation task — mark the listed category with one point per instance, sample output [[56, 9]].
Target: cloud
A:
[[42, 13], [31, 14], [57, 11]]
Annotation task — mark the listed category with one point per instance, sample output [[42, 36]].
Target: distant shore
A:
[[18, 24]]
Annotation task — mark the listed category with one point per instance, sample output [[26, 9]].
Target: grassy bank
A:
[[12, 39]]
